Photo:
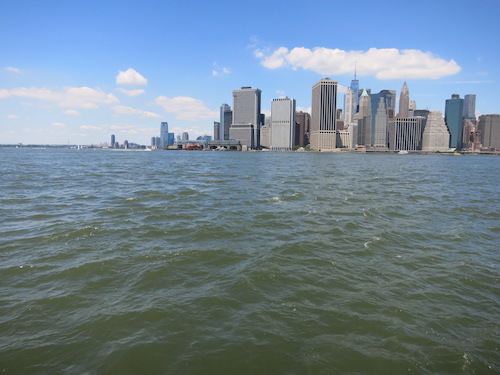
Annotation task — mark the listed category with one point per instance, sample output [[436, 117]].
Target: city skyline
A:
[[76, 73]]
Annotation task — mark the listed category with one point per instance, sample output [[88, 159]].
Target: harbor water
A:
[[190, 262]]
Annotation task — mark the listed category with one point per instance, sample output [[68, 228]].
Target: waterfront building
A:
[[469, 111], [323, 116], [171, 138], [226, 118], [453, 117], [185, 136], [404, 101], [302, 128], [282, 124], [489, 129], [216, 131], [163, 135], [113, 140], [265, 136], [405, 133], [247, 118], [381, 120], [436, 136], [364, 119]]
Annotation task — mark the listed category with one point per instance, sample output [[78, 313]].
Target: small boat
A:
[[403, 152]]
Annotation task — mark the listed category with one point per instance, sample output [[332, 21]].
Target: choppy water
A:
[[248, 263]]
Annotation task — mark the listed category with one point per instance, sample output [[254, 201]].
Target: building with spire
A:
[[323, 116], [436, 137], [355, 92], [364, 119], [381, 120], [404, 102]]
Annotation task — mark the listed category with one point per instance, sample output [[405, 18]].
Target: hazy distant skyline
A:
[[79, 71]]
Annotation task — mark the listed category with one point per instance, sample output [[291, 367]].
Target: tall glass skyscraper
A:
[[355, 93], [470, 107], [323, 116], [225, 120], [453, 115], [163, 134]]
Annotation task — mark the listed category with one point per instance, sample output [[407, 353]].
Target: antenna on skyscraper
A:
[[354, 69]]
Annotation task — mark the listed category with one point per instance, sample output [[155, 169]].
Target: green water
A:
[[248, 263]]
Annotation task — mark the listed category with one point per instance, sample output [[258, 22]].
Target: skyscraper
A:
[[163, 135], [364, 119], [323, 116], [469, 107], [355, 93], [247, 118], [282, 124], [302, 128], [113, 140], [185, 136], [489, 128], [226, 118], [381, 120], [453, 117], [436, 136], [216, 131], [404, 101], [348, 106]]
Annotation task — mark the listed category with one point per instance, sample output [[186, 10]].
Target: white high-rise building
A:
[[246, 122], [323, 116], [348, 106], [436, 136], [282, 124]]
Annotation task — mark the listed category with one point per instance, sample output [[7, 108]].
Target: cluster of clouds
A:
[[384, 63], [184, 108]]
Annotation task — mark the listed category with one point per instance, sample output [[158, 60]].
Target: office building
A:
[[436, 137], [323, 116], [185, 136], [405, 133], [216, 131], [163, 135], [489, 130], [453, 117], [364, 120], [282, 124], [247, 119], [380, 122], [113, 140], [302, 128], [469, 107], [355, 92], [404, 101], [226, 118]]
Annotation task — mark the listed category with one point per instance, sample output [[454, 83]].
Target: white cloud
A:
[[90, 127], [131, 92], [73, 97], [186, 108], [385, 63], [303, 109], [130, 77], [12, 116], [124, 110], [217, 71], [58, 125], [72, 112], [12, 69]]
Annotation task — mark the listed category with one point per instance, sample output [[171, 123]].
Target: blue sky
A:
[[79, 71]]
